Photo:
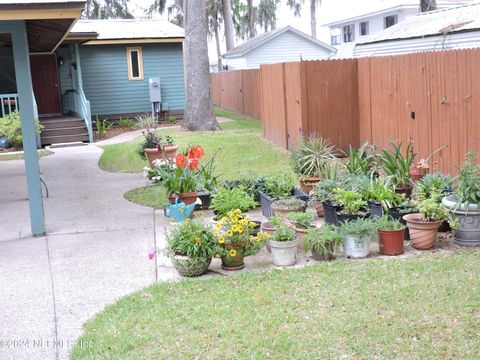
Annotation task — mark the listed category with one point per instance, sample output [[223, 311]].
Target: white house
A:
[[448, 29], [281, 45], [354, 29]]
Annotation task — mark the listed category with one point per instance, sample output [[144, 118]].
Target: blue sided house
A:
[[101, 68]]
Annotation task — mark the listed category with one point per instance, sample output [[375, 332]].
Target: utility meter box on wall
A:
[[154, 89]]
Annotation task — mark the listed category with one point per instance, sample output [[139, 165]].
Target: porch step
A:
[[57, 139], [63, 129]]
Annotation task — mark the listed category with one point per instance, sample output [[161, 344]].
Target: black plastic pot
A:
[[342, 218], [299, 194], [397, 214], [376, 209], [206, 199], [330, 213], [266, 204], [257, 227]]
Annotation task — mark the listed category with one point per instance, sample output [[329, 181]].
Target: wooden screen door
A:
[[45, 84]]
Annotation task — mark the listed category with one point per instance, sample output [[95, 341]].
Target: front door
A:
[[45, 84]]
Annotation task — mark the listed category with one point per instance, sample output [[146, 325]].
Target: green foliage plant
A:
[[362, 161], [126, 123], [102, 126], [11, 128], [284, 233], [467, 188], [279, 186], [432, 209], [351, 201], [360, 228], [172, 119], [382, 191], [396, 164], [193, 238], [432, 183], [323, 240], [385, 223], [301, 220], [226, 200], [312, 156]]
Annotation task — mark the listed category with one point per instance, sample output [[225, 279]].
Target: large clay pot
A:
[[152, 155], [189, 267], [319, 209], [422, 234], [308, 184], [391, 241], [468, 231], [169, 151], [187, 198], [417, 173]]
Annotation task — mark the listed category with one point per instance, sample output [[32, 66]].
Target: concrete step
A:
[[73, 130], [56, 139]]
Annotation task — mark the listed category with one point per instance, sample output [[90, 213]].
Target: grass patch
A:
[[152, 196], [417, 308], [221, 112], [7, 157]]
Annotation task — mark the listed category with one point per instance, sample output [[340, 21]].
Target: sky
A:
[[330, 10]]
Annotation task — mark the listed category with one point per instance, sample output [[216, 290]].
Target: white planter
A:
[[356, 247], [284, 253], [468, 232]]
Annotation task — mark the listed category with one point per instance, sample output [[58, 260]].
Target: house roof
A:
[[128, 29], [373, 9], [259, 40], [434, 23]]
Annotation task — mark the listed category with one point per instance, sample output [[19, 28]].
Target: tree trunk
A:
[[228, 21], [313, 17], [219, 50], [428, 5], [251, 19], [198, 103]]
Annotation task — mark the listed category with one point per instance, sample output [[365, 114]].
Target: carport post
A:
[[27, 113]]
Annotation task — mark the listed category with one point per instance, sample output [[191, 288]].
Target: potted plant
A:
[[352, 205], [234, 233], [419, 170], [324, 195], [356, 237], [274, 188], [182, 178], [208, 184], [226, 200], [191, 247], [283, 245], [284, 206], [362, 161], [391, 234], [269, 228], [381, 196], [300, 222], [322, 242], [464, 204], [155, 147], [310, 159], [434, 183], [423, 226], [396, 165]]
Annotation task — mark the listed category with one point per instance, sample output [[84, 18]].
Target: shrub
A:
[[350, 200], [467, 190], [322, 240], [226, 200], [387, 224], [432, 183], [126, 123], [301, 220], [279, 186], [284, 233], [312, 156]]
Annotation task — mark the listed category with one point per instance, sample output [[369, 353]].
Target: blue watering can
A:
[[179, 211]]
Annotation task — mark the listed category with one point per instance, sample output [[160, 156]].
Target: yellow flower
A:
[[187, 220], [232, 253], [229, 232], [238, 211], [221, 240], [197, 240], [223, 219], [253, 224], [244, 222], [216, 234], [230, 214], [234, 219]]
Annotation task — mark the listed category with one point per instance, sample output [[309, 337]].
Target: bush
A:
[[226, 200], [11, 128], [126, 123], [279, 186]]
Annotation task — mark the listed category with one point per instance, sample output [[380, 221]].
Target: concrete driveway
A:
[[96, 250]]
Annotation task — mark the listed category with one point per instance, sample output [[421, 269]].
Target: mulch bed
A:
[[9, 150], [114, 131]]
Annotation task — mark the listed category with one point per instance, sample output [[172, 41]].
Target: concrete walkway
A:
[[96, 250]]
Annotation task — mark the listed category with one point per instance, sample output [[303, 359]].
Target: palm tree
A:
[[428, 5], [296, 6]]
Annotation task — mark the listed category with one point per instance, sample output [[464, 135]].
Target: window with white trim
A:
[[135, 63], [348, 33]]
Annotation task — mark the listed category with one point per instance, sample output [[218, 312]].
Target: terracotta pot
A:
[[153, 154], [169, 152], [391, 241], [187, 198], [268, 228], [190, 267], [319, 209], [407, 190], [422, 234], [417, 173], [308, 184], [232, 263]]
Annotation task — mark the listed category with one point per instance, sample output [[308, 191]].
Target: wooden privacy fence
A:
[[431, 99]]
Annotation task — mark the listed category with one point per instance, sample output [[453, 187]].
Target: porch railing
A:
[[8, 104], [82, 107]]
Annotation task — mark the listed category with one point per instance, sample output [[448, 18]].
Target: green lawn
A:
[[242, 153], [7, 157], [419, 308]]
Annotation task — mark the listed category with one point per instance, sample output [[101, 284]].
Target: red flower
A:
[[181, 160], [193, 164], [196, 152]]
